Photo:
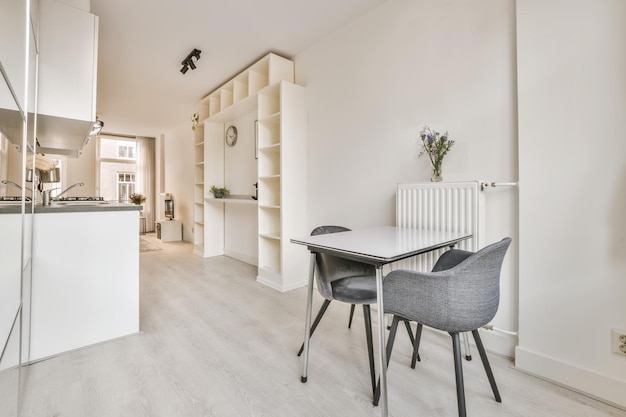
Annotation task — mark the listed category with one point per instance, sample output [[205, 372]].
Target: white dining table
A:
[[377, 246]]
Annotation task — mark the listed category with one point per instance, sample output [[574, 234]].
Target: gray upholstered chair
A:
[[461, 294], [350, 282]]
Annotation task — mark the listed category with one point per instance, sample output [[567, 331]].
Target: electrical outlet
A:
[[618, 341]]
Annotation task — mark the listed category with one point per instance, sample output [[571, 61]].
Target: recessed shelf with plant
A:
[[219, 192]]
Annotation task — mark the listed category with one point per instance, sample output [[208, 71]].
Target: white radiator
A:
[[450, 206]]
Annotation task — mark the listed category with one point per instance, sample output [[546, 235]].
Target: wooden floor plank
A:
[[214, 342]]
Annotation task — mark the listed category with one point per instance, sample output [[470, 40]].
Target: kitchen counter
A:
[[85, 263], [70, 207], [82, 207], [85, 286], [12, 208]]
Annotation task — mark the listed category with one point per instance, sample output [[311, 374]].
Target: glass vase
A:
[[436, 177]]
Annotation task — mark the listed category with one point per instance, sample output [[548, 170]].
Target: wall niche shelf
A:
[[232, 200], [243, 88], [267, 89]]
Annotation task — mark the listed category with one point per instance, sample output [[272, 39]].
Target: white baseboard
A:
[[279, 287], [249, 259], [600, 387], [501, 344], [275, 281]]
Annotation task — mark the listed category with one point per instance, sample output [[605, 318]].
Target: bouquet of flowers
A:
[[137, 198], [436, 146]]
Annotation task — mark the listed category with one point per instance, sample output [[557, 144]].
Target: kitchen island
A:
[[85, 285]]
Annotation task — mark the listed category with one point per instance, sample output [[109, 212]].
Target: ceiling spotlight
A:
[[188, 61], [96, 128]]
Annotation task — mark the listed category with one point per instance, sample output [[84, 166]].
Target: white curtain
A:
[[145, 181]]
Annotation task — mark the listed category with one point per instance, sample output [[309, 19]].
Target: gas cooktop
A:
[[80, 199], [13, 198]]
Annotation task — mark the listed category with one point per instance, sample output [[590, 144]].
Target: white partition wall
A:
[[572, 102]]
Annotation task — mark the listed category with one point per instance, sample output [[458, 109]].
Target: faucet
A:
[[18, 186], [46, 193], [78, 184]]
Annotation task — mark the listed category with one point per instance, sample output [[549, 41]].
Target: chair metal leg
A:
[[407, 325], [416, 346], [458, 372], [468, 351], [390, 340], [370, 345], [416, 356], [483, 357], [351, 315], [316, 321]]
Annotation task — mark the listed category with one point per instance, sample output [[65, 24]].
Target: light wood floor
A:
[[214, 342]]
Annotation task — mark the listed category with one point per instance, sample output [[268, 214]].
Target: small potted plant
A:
[[195, 121], [137, 198], [219, 192]]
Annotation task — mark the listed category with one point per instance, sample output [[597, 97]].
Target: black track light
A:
[[188, 61]]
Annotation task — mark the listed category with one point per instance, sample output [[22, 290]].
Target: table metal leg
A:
[[382, 360], [307, 326]]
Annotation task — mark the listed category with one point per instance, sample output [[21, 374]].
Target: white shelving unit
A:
[[267, 89], [198, 192], [282, 196]]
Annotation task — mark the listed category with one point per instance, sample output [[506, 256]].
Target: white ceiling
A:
[[141, 90]]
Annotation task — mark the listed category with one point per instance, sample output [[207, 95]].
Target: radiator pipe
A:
[[490, 327], [494, 184]]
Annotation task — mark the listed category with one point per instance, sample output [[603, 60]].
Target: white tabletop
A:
[[381, 245]]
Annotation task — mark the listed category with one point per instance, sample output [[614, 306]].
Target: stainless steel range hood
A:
[[60, 136]]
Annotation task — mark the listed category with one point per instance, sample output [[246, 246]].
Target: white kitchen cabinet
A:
[[18, 58], [13, 53], [68, 55], [266, 89], [85, 287], [11, 227]]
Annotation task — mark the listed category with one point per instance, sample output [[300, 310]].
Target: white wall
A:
[[81, 169], [372, 86], [176, 175], [79, 4], [13, 170], [240, 173], [572, 102], [4, 160]]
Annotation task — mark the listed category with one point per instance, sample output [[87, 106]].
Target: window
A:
[[125, 185], [126, 150], [117, 164]]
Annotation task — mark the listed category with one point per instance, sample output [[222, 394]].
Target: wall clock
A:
[[231, 136]]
